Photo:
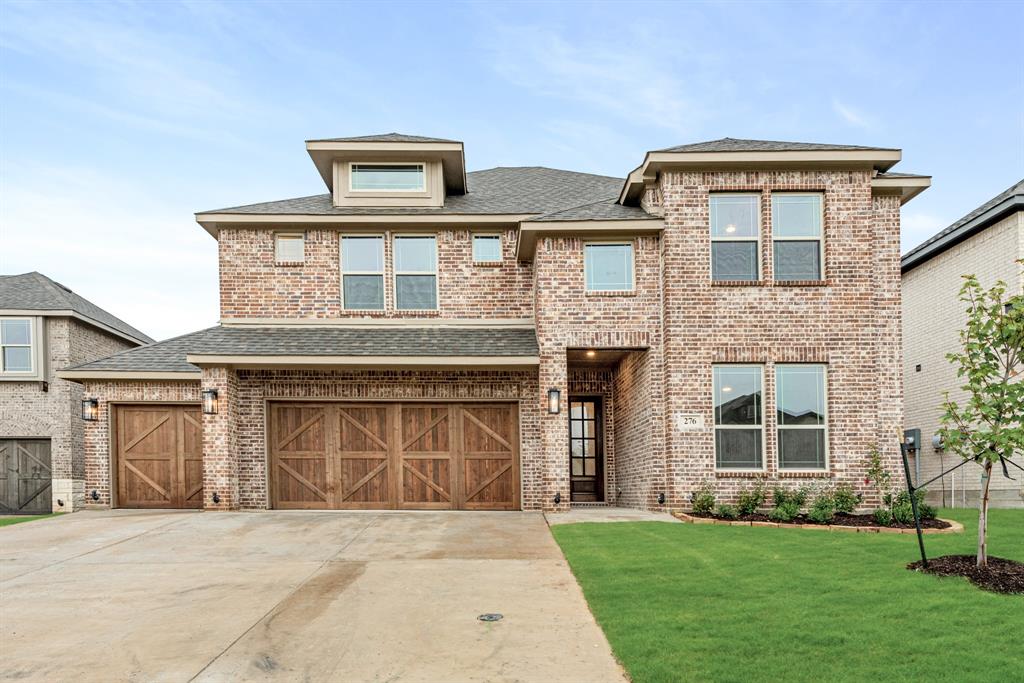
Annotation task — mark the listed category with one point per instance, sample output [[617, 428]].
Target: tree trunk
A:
[[983, 516]]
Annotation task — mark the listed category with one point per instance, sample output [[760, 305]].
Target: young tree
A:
[[989, 427]]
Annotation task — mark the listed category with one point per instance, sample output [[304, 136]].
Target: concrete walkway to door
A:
[[285, 596]]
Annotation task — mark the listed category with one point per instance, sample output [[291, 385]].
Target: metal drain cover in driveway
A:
[[492, 616]]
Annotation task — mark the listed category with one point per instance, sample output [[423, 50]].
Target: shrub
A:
[[845, 499], [750, 500], [903, 512], [786, 512], [726, 511], [823, 509], [883, 516], [703, 499]]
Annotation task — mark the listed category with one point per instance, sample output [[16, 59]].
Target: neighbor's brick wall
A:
[[933, 316], [252, 285]]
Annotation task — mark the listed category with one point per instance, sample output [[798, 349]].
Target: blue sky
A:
[[118, 121]]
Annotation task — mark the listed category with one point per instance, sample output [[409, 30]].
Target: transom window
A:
[[416, 272], [739, 420], [796, 233], [802, 420], [16, 355], [735, 236], [290, 248], [486, 248], [608, 267], [387, 178], [362, 268]]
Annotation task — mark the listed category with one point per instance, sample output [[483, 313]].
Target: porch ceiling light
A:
[[90, 409], [209, 401], [591, 353], [554, 401]]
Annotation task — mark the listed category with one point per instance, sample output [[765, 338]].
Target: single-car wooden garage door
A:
[[159, 455], [448, 456]]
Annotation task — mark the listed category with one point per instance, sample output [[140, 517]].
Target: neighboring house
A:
[[987, 243], [525, 338], [44, 327]]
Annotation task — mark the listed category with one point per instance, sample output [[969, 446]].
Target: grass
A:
[[684, 602], [8, 521]]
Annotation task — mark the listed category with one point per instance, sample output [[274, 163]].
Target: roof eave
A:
[[925, 252], [67, 313], [213, 221], [361, 361], [531, 231], [83, 375], [905, 187]]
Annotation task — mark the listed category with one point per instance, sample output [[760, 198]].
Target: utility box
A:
[[912, 439]]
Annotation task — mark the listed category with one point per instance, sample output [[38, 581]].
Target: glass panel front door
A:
[[586, 461]]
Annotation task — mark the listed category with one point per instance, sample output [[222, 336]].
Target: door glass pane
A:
[[589, 411], [738, 448], [17, 359], [802, 449], [394, 177], [576, 410], [800, 391], [576, 448], [364, 292], [362, 254], [589, 467], [737, 395], [575, 429], [486, 248], [734, 215], [15, 331], [798, 260], [415, 254], [796, 215], [415, 292], [734, 260], [577, 467], [609, 267]]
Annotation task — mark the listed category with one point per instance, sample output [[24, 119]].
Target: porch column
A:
[[220, 441], [555, 429]]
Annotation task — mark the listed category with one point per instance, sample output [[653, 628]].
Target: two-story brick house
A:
[[525, 338]]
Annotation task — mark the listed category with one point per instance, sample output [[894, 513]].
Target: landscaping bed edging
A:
[[954, 527]]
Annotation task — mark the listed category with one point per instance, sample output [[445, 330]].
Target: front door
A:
[[586, 455]]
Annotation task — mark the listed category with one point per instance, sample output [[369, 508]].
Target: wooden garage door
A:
[[421, 456], [25, 476], [159, 454]]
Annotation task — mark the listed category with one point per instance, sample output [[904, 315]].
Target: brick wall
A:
[[222, 451], [933, 316]]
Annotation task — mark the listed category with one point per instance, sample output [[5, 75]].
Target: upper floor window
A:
[[16, 356], [362, 272], [415, 272], [739, 419], [383, 177], [486, 248], [608, 267], [796, 232], [289, 248], [800, 401], [735, 236]]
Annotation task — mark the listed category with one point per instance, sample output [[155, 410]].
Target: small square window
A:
[[608, 267], [290, 248], [486, 248]]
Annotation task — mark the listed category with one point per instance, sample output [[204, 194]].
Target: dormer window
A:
[[387, 177]]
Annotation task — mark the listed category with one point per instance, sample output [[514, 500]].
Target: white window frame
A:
[[33, 350], [423, 174], [610, 243], [277, 252], [501, 247], [823, 427], [820, 238], [395, 272], [715, 426], [758, 238], [382, 272]]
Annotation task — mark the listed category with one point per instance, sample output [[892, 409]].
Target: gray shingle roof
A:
[[385, 137], [604, 210], [36, 292], [973, 222], [503, 190], [169, 355], [736, 145]]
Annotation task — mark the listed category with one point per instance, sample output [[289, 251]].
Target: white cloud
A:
[[850, 115]]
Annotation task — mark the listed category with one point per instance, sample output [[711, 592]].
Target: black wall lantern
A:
[[554, 401], [209, 401], [558, 498], [661, 498], [90, 409]]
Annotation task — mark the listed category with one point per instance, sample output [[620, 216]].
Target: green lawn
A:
[[7, 521], [685, 602]]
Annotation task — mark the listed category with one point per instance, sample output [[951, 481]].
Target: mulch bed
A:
[[841, 519], [1001, 576]]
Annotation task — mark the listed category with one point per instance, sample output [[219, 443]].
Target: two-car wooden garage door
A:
[[451, 456]]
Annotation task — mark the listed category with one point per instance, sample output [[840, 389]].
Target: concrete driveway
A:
[[293, 596]]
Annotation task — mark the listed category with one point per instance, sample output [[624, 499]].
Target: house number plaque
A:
[[689, 422]]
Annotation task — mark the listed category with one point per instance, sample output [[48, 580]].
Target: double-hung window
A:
[[362, 272], [415, 272], [797, 235], [387, 178], [16, 337], [739, 419], [735, 236], [608, 267], [802, 417]]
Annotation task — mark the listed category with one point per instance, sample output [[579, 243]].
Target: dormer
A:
[[391, 170]]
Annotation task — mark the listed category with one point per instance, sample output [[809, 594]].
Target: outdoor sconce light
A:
[[90, 409], [95, 495], [216, 496], [554, 401], [209, 401], [558, 498], [661, 498]]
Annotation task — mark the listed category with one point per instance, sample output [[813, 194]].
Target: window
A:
[[387, 178], [735, 236], [486, 248], [289, 248], [608, 267], [800, 399], [796, 231], [739, 426], [362, 272], [16, 355], [416, 272]]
